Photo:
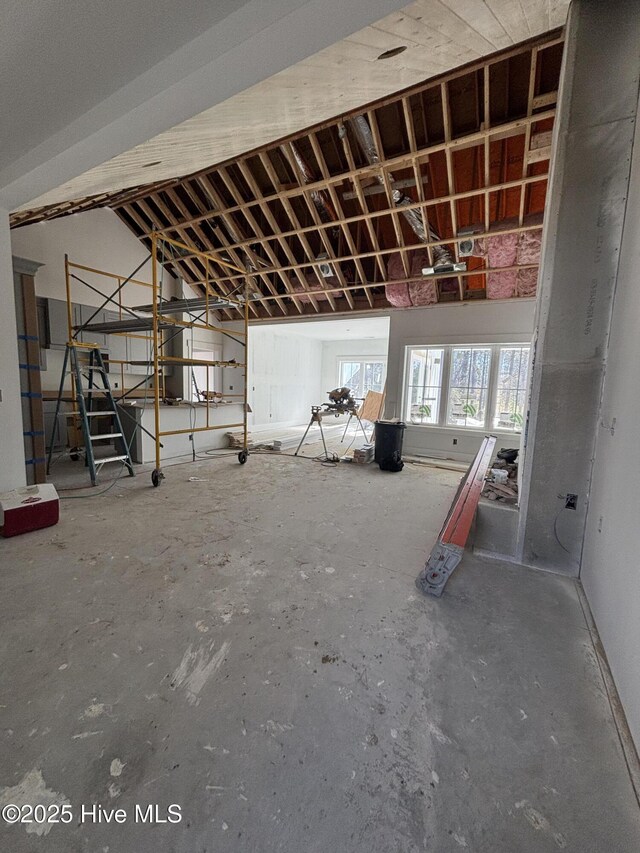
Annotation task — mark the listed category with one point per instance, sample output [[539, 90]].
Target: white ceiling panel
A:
[[440, 35]]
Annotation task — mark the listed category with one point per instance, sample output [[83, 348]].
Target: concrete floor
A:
[[251, 646]]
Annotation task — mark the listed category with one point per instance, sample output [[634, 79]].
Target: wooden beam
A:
[[233, 228], [527, 134], [400, 162], [446, 115], [203, 239], [454, 275], [380, 253]]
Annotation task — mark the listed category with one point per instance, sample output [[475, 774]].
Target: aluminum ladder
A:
[[94, 368]]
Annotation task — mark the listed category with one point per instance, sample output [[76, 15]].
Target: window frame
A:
[[444, 385], [361, 360], [492, 395], [524, 388]]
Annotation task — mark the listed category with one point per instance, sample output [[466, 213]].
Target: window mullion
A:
[[405, 411], [492, 396], [444, 386]]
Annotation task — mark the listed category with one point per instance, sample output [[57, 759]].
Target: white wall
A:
[[12, 472], [332, 351], [610, 568], [95, 239], [468, 322], [284, 377]]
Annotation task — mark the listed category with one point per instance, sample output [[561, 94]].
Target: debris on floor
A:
[[364, 454], [502, 481], [236, 441]]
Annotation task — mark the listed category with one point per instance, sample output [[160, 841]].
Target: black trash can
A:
[[388, 449]]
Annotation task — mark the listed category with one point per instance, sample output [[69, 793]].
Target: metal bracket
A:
[[438, 568]]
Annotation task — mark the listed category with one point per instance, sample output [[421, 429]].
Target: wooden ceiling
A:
[[324, 220]]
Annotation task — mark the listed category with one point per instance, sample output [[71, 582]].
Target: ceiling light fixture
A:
[[393, 52]]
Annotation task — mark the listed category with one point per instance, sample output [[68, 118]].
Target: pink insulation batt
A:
[[397, 294], [502, 250], [505, 250], [501, 285], [527, 282], [529, 246], [312, 285], [420, 291], [423, 292]]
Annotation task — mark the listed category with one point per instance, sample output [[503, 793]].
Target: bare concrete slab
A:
[[251, 647]]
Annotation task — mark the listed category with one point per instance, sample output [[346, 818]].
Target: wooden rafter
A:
[[278, 210]]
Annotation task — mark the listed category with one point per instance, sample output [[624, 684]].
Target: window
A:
[[470, 387], [425, 384], [511, 388], [362, 375]]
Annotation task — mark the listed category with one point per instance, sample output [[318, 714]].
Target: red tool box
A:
[[31, 508]]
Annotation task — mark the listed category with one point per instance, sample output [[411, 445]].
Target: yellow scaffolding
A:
[[160, 241], [161, 320]]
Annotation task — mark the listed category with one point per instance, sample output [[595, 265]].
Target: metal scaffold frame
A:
[[159, 242], [162, 319]]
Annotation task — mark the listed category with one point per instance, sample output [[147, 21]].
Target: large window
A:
[[511, 388], [471, 387], [362, 375], [425, 385], [468, 386]]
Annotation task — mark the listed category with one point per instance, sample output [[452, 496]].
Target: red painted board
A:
[[458, 523]]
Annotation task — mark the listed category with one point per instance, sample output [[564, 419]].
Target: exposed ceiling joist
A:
[[345, 216]]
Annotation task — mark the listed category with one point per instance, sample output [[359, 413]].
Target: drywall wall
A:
[[469, 322], [284, 376], [12, 471], [332, 351], [609, 572], [585, 210], [95, 239]]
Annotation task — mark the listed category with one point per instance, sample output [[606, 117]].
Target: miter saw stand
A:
[[341, 403]]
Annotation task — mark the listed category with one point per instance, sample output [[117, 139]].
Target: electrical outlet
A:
[[571, 501], [455, 440]]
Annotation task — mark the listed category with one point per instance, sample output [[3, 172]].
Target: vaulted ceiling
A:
[[346, 215]]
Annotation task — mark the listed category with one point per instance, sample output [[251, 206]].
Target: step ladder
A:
[[90, 381]]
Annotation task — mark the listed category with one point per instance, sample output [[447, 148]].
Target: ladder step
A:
[[83, 371], [110, 459]]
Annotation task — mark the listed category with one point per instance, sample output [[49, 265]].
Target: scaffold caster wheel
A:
[[243, 456], [156, 477]]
